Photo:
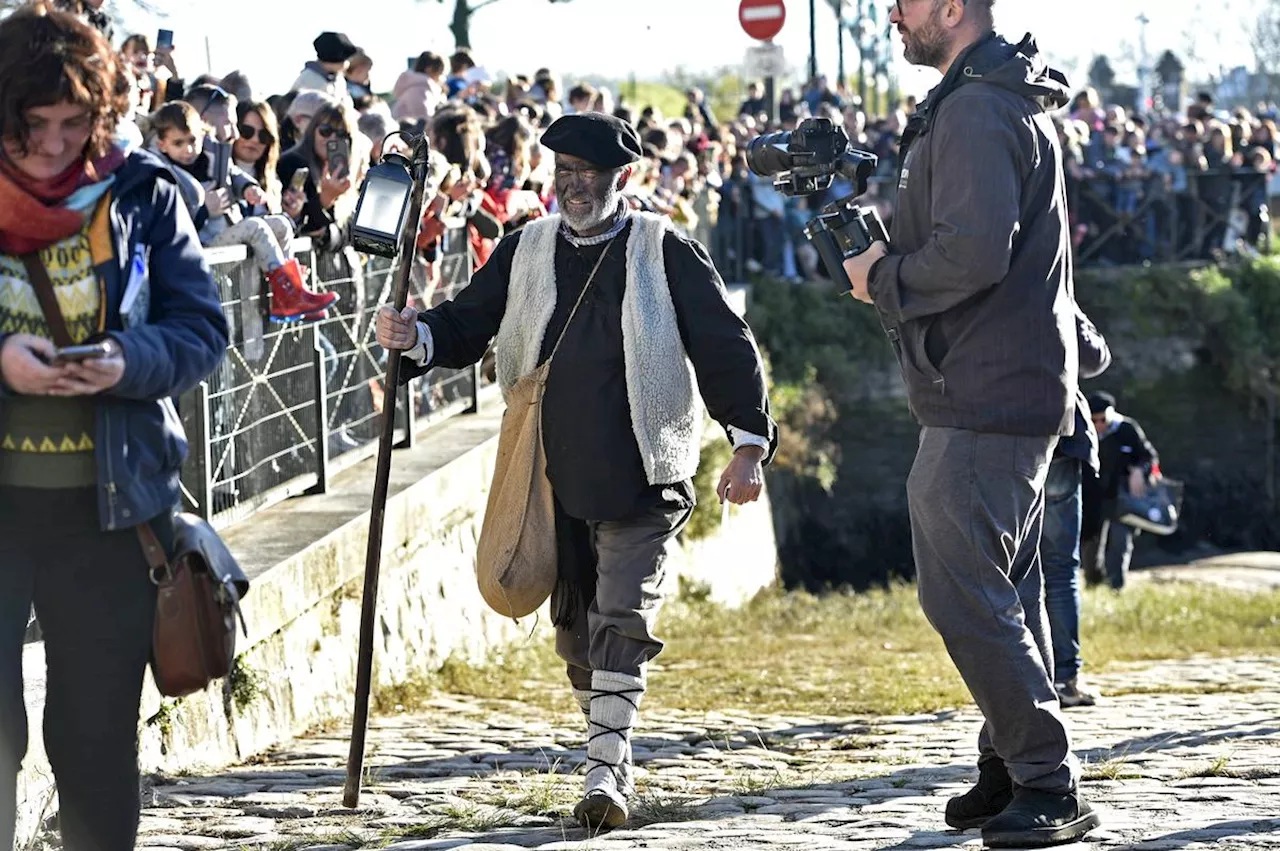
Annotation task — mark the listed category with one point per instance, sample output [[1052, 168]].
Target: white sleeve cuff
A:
[[745, 438], [422, 353]]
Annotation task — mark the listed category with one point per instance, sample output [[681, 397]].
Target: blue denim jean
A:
[[1060, 555]]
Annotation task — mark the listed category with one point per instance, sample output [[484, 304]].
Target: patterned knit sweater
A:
[[46, 441]]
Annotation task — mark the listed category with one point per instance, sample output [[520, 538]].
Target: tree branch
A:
[[480, 5]]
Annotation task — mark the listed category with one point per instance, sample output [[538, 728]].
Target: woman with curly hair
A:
[[96, 247]]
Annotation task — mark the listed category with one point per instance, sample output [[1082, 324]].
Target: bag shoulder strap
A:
[[152, 551], [582, 295], [39, 278]]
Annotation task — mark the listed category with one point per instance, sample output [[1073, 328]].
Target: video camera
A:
[[804, 161]]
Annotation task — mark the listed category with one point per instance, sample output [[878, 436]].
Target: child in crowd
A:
[[180, 136]]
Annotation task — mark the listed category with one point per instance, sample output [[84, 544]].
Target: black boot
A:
[[1035, 819], [985, 800]]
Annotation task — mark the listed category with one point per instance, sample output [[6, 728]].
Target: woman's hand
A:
[[164, 59], [253, 196], [332, 188], [293, 202], [26, 362]]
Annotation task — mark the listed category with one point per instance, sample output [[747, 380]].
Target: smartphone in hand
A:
[[77, 354], [164, 40], [338, 153], [299, 180]]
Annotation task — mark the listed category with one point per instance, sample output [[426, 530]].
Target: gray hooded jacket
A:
[[977, 293]]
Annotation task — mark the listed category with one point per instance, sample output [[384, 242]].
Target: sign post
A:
[[762, 20]]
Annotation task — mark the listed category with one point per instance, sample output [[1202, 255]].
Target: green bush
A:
[[847, 439]]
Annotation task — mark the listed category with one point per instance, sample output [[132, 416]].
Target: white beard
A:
[[602, 210]]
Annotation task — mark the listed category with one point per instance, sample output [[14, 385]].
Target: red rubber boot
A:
[[290, 299]]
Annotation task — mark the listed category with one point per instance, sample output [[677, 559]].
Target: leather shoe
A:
[[1036, 819], [991, 794]]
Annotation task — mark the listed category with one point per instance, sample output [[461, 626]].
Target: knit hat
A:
[[1100, 401], [334, 47]]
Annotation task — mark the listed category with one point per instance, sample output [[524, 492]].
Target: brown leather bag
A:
[[200, 586], [197, 605]]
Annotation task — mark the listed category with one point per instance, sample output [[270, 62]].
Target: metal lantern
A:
[[381, 214]]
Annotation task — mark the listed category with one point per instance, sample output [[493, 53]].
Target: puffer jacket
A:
[[140, 445]]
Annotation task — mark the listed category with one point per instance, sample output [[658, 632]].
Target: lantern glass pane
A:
[[380, 209]]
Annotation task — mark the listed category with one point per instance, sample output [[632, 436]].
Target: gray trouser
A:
[[269, 239], [977, 511], [616, 632]]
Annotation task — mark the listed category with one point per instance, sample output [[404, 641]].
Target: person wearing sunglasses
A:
[[257, 152], [326, 151], [976, 292]]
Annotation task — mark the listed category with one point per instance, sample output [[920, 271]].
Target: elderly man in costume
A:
[[621, 418]]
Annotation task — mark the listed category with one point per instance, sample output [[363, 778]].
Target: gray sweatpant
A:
[[616, 632], [269, 238], [977, 511]]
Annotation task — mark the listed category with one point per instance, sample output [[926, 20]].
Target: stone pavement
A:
[[1182, 755]]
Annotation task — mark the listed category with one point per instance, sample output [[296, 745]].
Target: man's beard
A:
[[928, 45], [602, 210]]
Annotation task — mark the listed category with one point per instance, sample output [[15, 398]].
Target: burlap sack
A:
[[516, 556]]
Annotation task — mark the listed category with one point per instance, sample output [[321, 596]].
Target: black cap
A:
[[1100, 401], [334, 47], [599, 139]]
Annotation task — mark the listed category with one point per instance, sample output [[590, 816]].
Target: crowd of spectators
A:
[[1189, 186], [1141, 187]]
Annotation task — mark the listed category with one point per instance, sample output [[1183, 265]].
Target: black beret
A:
[[599, 139], [334, 47], [1100, 401]]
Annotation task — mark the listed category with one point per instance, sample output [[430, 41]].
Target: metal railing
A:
[[1115, 220], [294, 403]]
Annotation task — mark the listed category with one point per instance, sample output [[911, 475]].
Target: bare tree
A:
[[1264, 40], [463, 10]]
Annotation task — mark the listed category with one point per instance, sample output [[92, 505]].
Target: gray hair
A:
[[309, 102]]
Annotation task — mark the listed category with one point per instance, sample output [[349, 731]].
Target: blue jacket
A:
[[140, 443]]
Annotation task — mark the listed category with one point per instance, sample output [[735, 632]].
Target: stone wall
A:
[[296, 670]]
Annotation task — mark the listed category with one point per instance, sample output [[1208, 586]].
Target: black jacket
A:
[[326, 232], [977, 293], [1121, 449], [592, 459], [1095, 357]]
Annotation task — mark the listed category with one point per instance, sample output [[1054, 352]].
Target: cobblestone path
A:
[[1180, 756]]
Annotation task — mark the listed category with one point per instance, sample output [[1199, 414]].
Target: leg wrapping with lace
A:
[[615, 706]]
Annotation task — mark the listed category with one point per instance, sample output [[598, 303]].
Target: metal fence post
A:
[[475, 389], [322, 415], [197, 471], [409, 392]]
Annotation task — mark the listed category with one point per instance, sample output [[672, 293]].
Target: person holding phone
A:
[[257, 153], [325, 150], [90, 443]]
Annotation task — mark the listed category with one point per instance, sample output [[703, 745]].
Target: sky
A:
[[270, 40]]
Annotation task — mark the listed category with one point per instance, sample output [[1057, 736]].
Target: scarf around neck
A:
[[35, 214]]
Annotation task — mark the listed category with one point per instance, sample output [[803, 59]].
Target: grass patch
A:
[[551, 794], [853, 654], [1196, 688], [661, 808], [1111, 769]]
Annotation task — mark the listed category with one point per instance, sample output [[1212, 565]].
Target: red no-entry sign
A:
[[762, 19]]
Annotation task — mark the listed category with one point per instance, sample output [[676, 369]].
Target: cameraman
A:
[[977, 297]]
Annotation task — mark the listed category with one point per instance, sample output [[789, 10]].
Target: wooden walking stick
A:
[[417, 170]]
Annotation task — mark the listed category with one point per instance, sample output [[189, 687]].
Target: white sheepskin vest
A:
[[666, 413]]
